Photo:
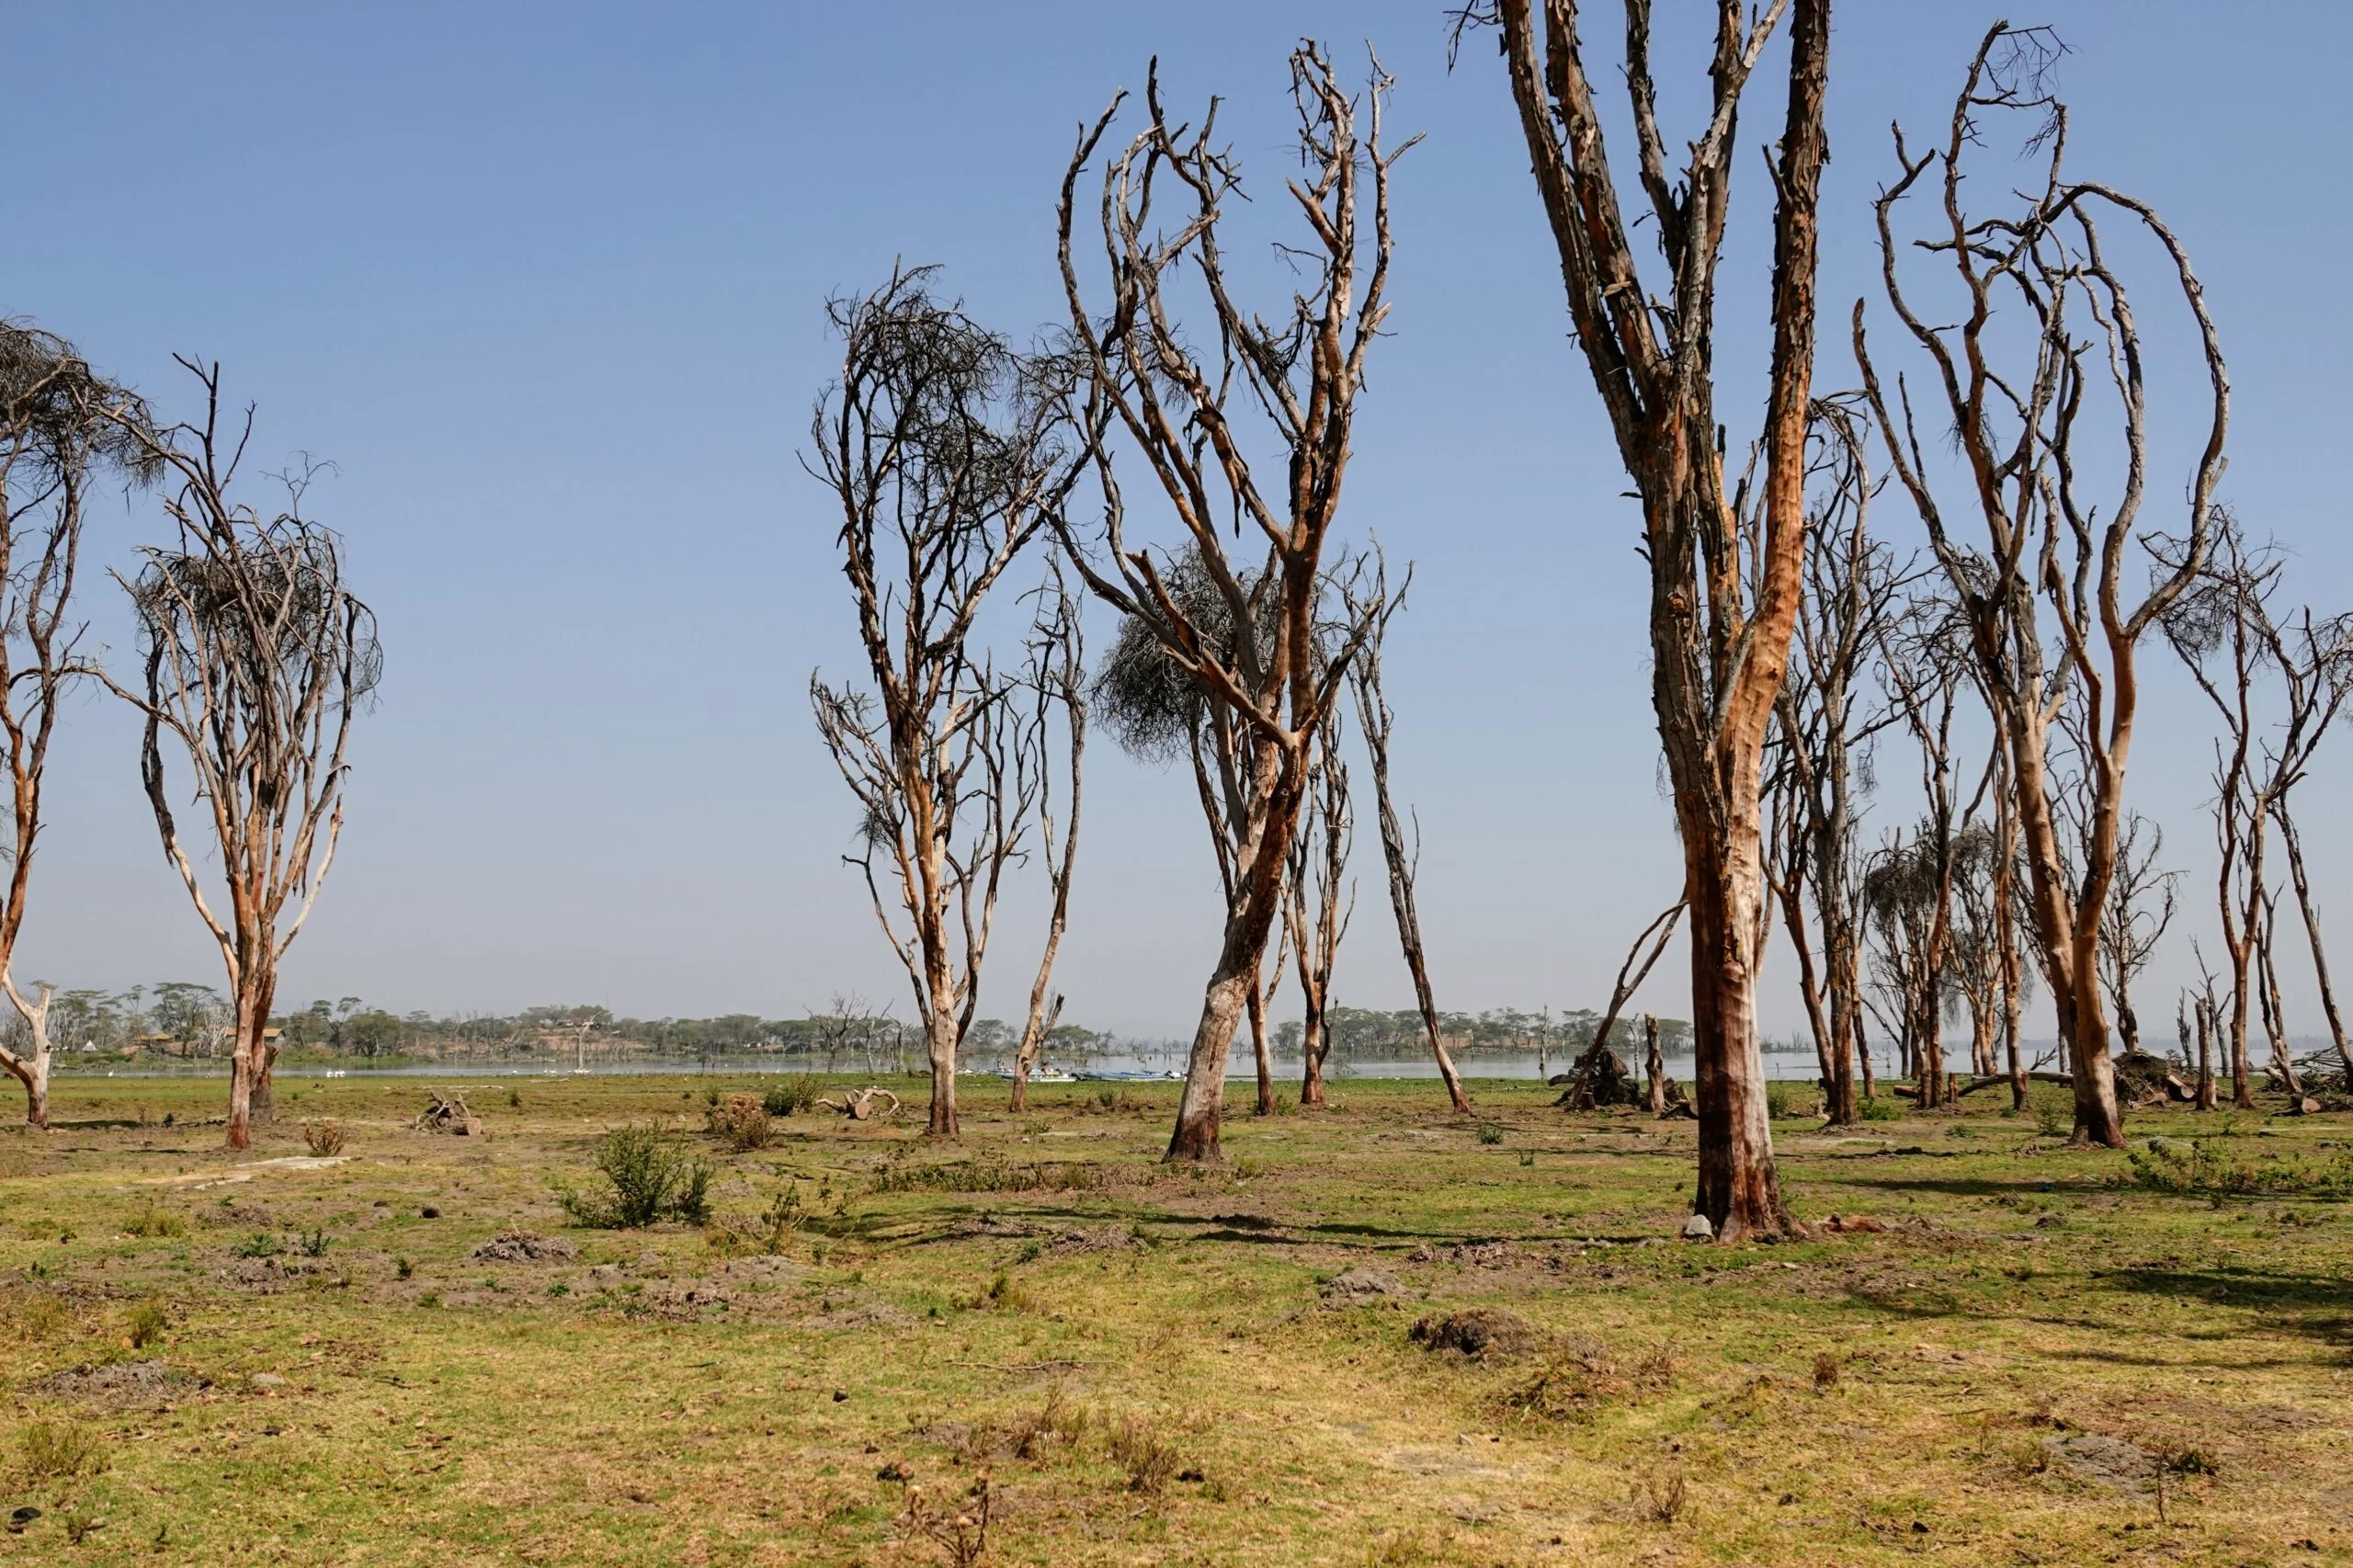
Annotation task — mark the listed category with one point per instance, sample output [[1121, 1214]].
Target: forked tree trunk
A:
[[31, 1069]]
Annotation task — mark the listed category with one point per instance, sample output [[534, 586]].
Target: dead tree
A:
[[59, 433], [2044, 593], [1827, 724], [1196, 417], [258, 656], [1058, 684], [2241, 651], [2140, 910], [945, 452], [1404, 862], [1717, 651], [1320, 905]]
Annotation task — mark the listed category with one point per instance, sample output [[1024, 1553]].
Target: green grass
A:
[[1142, 1358]]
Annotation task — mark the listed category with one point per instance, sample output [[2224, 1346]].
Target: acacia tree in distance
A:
[[58, 429], [1717, 651], [1183, 412], [945, 453], [257, 658], [2044, 596]]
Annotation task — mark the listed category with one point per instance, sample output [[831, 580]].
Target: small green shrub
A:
[[52, 1451], [261, 1243], [1490, 1134], [1877, 1109], [647, 1177], [146, 1323], [795, 1094], [2203, 1170], [153, 1221], [313, 1243]]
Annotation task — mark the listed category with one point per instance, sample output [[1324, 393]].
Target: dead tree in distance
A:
[[61, 427], [2044, 594], [1380, 727], [1184, 412], [1058, 684], [1718, 651], [1826, 725], [1320, 904], [257, 657], [945, 454]]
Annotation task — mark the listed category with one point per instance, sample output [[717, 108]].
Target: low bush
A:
[[1877, 1109], [1490, 1134], [2197, 1168], [990, 1175], [261, 1243], [647, 1177], [795, 1094], [153, 1221], [742, 1123], [146, 1323], [325, 1137], [1136, 1448], [52, 1450]]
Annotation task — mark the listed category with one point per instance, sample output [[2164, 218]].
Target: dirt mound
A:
[[1485, 1334], [121, 1382], [1078, 1240], [1361, 1287], [2096, 1459], [522, 1247]]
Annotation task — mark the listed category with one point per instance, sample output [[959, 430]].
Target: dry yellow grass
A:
[[1147, 1363]]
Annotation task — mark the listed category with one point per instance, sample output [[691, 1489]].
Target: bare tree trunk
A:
[[1265, 1058], [2275, 1015], [2206, 1053], [2295, 846], [1378, 724], [1655, 1064], [1863, 1055]]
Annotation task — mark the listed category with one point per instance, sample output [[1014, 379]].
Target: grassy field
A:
[[2007, 1352]]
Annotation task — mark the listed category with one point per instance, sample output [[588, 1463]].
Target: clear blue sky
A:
[[545, 281]]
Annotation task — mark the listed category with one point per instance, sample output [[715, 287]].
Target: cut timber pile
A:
[[1598, 1080], [448, 1113]]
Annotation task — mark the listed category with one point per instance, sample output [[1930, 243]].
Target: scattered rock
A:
[[2050, 1221], [1469, 1255], [605, 1274], [1360, 1287], [1481, 1333], [265, 1381], [2096, 1459], [1698, 1228], [894, 1470], [21, 1517], [522, 1247], [763, 1267]]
